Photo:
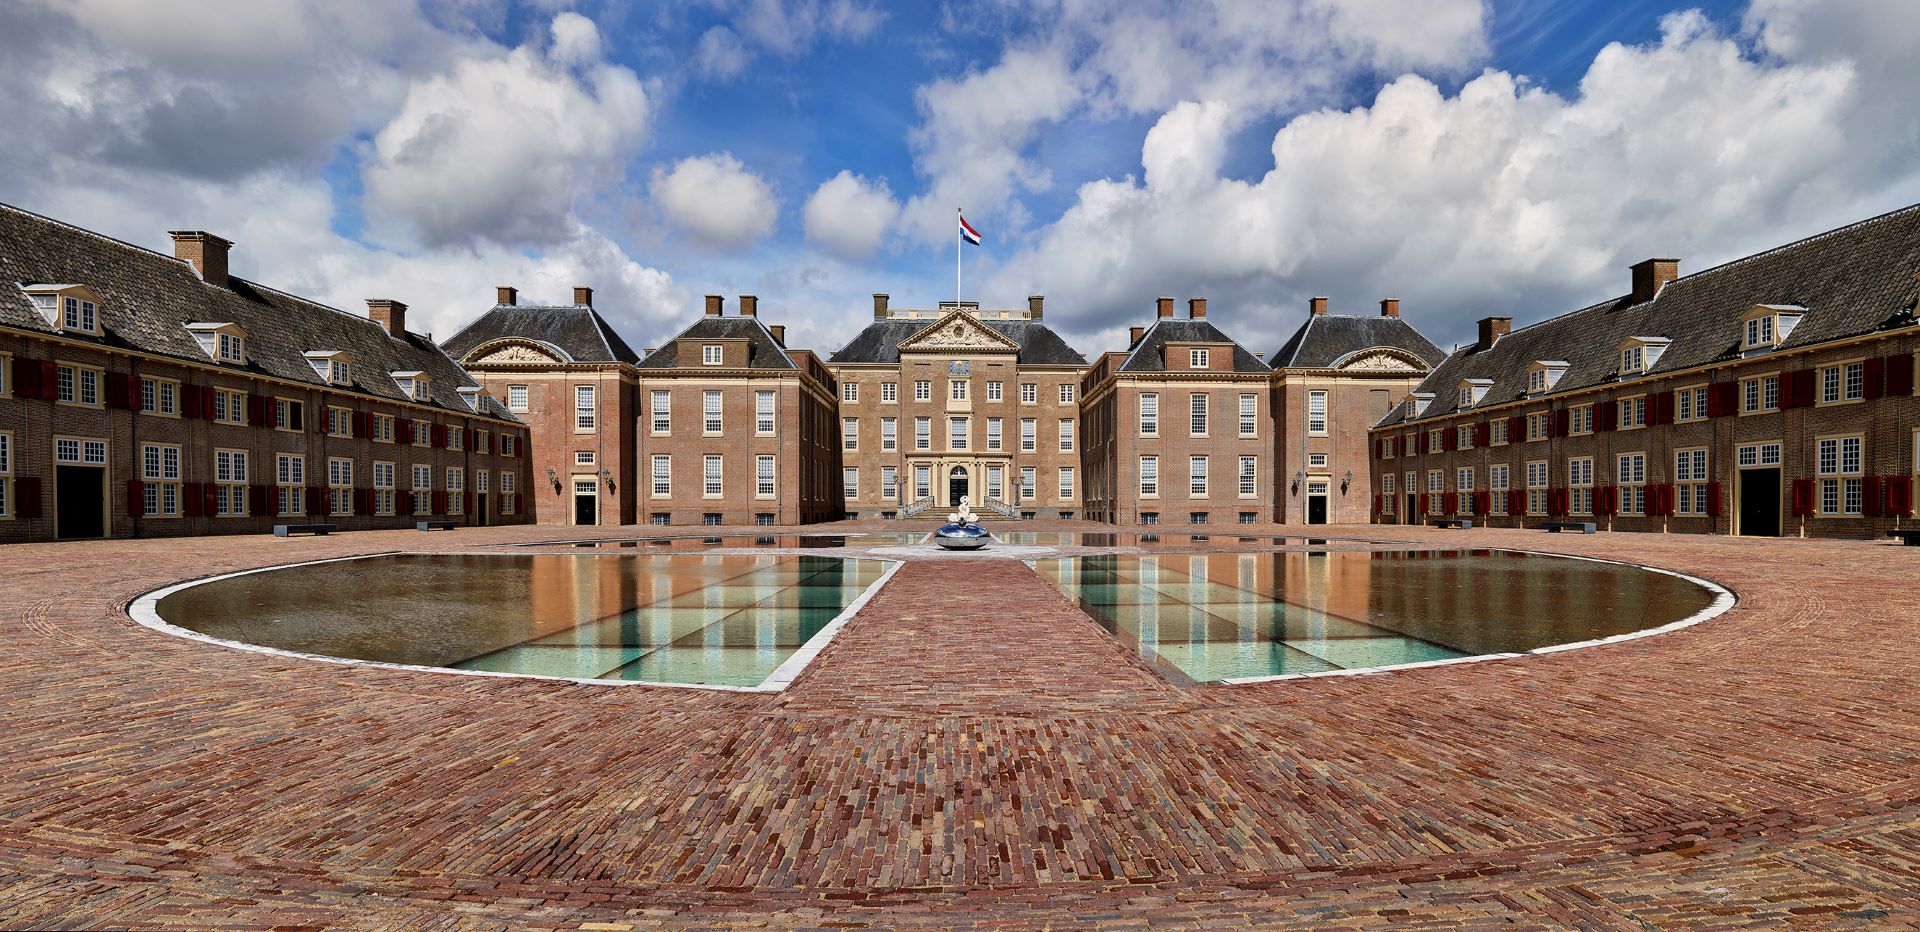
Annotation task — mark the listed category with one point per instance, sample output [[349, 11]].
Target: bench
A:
[[1464, 524], [435, 525], [319, 530], [1908, 536], [1583, 527]]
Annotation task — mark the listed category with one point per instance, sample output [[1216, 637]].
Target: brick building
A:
[[565, 371], [956, 401], [1770, 395], [143, 394]]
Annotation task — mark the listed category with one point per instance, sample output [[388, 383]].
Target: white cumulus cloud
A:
[[850, 215], [716, 200]]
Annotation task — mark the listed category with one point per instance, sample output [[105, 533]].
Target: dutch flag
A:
[[967, 232]]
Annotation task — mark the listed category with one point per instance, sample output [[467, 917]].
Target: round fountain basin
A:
[[960, 536]]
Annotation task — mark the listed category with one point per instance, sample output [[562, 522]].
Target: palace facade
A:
[[1771, 395], [153, 395]]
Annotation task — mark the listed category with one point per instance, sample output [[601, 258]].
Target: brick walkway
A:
[[1023, 770]]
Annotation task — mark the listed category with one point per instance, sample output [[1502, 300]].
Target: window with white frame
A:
[[383, 487], [456, 490], [1690, 481], [509, 493], [339, 422], [1537, 381], [662, 412], [850, 482], [1029, 393], [1149, 414], [1580, 485], [957, 389], [1249, 475], [1149, 477], [1317, 460], [1317, 413], [889, 483], [1197, 476], [890, 392], [923, 433], [1066, 393], [923, 390], [422, 489], [289, 414], [1436, 490], [763, 476], [160, 479], [1580, 419], [1537, 425], [1497, 486], [1844, 382], [922, 482], [1389, 491], [994, 391], [763, 418], [1633, 413], [1537, 487], [1760, 394], [710, 412], [1436, 440], [230, 483], [290, 480], [157, 396], [712, 354], [517, 398], [956, 433], [1463, 479], [1029, 435], [1633, 360], [1630, 477], [583, 457], [1463, 437], [1759, 332], [1066, 482], [850, 392], [583, 407], [80, 314], [340, 485], [1249, 414], [1066, 435], [383, 428], [422, 434], [1497, 432], [1757, 454], [1029, 483], [1837, 461], [1197, 358], [889, 434], [79, 385], [849, 433], [1690, 404], [711, 474], [994, 475], [993, 433], [662, 475], [1197, 407]]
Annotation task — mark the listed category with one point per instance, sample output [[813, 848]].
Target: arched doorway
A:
[[956, 485]]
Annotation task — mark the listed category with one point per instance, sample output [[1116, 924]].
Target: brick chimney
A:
[[749, 305], [1197, 308], [206, 252], [1491, 330], [713, 305], [1650, 275], [1163, 308], [389, 314], [583, 296], [779, 334], [1133, 336], [879, 305], [1036, 306], [1317, 306], [506, 295], [1389, 307]]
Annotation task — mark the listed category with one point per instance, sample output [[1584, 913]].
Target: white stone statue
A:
[[964, 515]]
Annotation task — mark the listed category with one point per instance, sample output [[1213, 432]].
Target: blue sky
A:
[[1466, 157]]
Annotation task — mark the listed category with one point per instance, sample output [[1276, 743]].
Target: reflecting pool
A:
[[1206, 617], [708, 619]]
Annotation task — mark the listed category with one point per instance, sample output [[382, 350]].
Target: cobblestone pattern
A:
[[1020, 770]]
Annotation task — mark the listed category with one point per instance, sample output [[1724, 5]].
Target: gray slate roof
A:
[[147, 298], [1327, 338], [574, 329], [1148, 357], [1039, 345], [1853, 280], [762, 351]]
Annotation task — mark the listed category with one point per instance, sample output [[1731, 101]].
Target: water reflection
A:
[[676, 618], [1215, 616]]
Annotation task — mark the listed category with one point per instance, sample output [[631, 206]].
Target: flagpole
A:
[[956, 255]]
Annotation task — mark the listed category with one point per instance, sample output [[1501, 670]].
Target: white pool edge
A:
[[144, 610]]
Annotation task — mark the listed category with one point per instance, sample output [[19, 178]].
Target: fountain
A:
[[962, 530]]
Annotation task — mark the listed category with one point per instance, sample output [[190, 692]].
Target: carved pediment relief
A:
[[517, 351], [958, 331], [1378, 361]]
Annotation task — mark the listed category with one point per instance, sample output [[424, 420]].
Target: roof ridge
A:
[[98, 235], [1844, 228]]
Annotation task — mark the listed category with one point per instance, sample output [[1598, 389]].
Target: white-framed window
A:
[[850, 482], [1149, 414], [339, 422], [1029, 435], [1759, 332], [1690, 404], [509, 493], [456, 490], [993, 433], [1029, 483], [583, 457], [160, 479], [80, 450], [289, 414], [157, 396], [1580, 419], [850, 392], [383, 487], [711, 474], [957, 389], [1029, 393], [923, 390], [1690, 481], [80, 314], [1630, 476], [1066, 482], [763, 417], [1436, 490], [1066, 394], [230, 348], [849, 433], [1197, 358], [1250, 473], [1463, 437], [1317, 413], [1837, 461], [1536, 381], [890, 392], [923, 433], [1844, 382], [994, 390], [1757, 454], [517, 398], [383, 428], [482, 441], [1633, 359], [290, 481], [710, 412], [422, 489], [230, 480], [1436, 440], [1497, 432], [1537, 480], [763, 476], [583, 407], [1197, 408], [1463, 479], [339, 485], [994, 488], [956, 433], [1580, 485], [79, 385], [1197, 476], [1389, 492], [1149, 477], [1760, 394], [922, 482], [1497, 486], [889, 434], [662, 412], [712, 354], [1317, 460], [889, 483], [662, 475], [422, 434], [1066, 435], [1537, 425], [1633, 412], [1249, 414]]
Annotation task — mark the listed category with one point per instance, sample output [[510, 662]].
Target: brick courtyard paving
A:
[[1024, 770]]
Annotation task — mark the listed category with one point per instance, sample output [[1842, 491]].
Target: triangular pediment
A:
[[958, 330], [515, 350]]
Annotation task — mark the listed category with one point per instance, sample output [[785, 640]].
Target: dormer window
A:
[[1197, 359], [712, 354], [1766, 326], [1544, 375], [222, 342], [1420, 401], [414, 384], [67, 308], [471, 395], [1473, 390], [1638, 355], [331, 365]]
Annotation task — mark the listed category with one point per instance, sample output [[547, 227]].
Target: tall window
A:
[[763, 475], [994, 478], [383, 487], [456, 490], [1537, 425], [1317, 413], [923, 433], [1249, 414], [422, 489], [1436, 490], [1149, 476], [710, 412], [1537, 487], [993, 433], [291, 480], [1029, 435], [1197, 404], [160, 475], [340, 485], [889, 434], [850, 392], [710, 475], [849, 482], [993, 391], [662, 475], [1580, 418], [1066, 435], [1580, 482], [1149, 414], [850, 433], [922, 482], [1029, 483], [956, 433], [509, 494], [1690, 404], [763, 412], [1631, 479], [1497, 432], [583, 408], [1388, 493], [662, 412], [1066, 482], [1249, 474], [1690, 481], [890, 391], [1497, 489], [1197, 476], [230, 479], [889, 483], [1837, 459]]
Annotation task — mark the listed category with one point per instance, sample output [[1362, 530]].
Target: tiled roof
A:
[[1853, 280], [763, 352], [148, 298], [574, 329], [1327, 338], [1147, 356], [1039, 344]]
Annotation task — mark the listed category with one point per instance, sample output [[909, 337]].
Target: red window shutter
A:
[[1876, 377], [316, 500], [1870, 496], [258, 500], [440, 502], [1604, 415], [194, 499], [1900, 374], [1720, 398], [1376, 504], [1449, 502], [256, 412], [440, 436], [1516, 428], [466, 501], [210, 498], [1449, 439], [190, 401], [27, 490], [117, 392], [1899, 498], [49, 380], [1802, 389], [1803, 496], [1423, 503], [136, 496], [403, 502], [26, 378]]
